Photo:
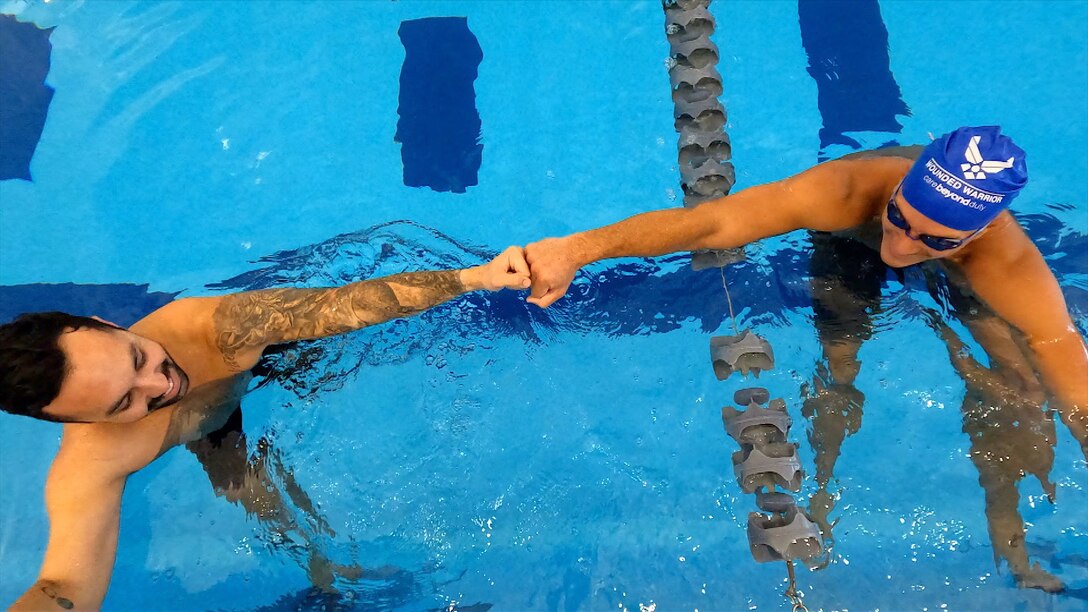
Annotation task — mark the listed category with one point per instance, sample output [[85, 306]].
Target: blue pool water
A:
[[487, 452]]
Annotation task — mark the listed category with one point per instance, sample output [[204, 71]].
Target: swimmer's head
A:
[[964, 179], [59, 367], [960, 183]]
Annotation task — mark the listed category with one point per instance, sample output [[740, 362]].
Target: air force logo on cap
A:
[[976, 167]]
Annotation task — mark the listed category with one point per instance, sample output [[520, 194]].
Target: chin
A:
[[890, 260], [899, 262]]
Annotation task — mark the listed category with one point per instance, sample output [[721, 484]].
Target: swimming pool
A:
[[487, 452]]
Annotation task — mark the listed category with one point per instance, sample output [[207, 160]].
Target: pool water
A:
[[487, 452]]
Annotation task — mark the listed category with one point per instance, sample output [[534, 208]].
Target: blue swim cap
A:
[[965, 178]]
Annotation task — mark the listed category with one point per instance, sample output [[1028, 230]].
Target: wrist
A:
[[472, 279], [582, 249]]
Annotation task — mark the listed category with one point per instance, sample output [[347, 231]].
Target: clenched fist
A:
[[552, 265], [507, 271]]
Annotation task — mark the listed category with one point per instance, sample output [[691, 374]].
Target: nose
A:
[[902, 245], [153, 382]]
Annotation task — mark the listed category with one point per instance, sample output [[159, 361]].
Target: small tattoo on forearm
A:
[[63, 602]]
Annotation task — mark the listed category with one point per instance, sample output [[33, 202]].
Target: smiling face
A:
[[114, 375], [901, 247]]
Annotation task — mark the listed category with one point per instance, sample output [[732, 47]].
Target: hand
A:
[[552, 264], [507, 271]]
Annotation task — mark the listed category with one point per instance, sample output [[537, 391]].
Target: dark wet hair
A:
[[32, 365]]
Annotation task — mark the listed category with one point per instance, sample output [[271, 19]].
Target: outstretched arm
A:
[[83, 500], [84, 487], [242, 325], [828, 197]]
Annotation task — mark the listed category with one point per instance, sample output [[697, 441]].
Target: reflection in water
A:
[[846, 280], [290, 522], [1011, 435]]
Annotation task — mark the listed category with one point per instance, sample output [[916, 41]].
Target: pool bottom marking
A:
[[439, 125], [24, 96], [122, 304], [847, 47]]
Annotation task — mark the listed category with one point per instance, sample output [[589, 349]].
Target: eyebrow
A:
[[118, 404]]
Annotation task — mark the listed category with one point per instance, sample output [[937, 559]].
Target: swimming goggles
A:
[[937, 243]]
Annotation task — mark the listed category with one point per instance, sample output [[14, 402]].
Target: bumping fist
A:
[[507, 271], [552, 264]]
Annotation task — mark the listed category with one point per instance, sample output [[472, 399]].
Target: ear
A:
[[110, 323]]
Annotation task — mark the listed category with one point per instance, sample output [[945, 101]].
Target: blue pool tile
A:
[[123, 304]]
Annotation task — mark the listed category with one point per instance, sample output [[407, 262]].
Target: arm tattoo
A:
[[63, 602], [256, 319]]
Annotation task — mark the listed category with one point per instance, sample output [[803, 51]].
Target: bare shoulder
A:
[[186, 329], [871, 174], [95, 451], [1004, 248], [187, 317], [910, 152], [1004, 267], [846, 193], [110, 450], [1003, 260]]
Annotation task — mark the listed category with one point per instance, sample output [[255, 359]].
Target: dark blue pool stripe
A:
[[847, 46], [439, 126], [122, 304], [24, 96]]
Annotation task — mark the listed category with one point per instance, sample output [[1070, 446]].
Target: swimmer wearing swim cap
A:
[[964, 179], [946, 202]]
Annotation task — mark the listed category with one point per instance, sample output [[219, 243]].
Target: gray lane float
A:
[[744, 352]]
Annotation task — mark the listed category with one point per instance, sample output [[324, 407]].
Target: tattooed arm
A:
[[244, 324]]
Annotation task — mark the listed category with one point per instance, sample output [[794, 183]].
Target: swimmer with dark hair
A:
[[126, 396]]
